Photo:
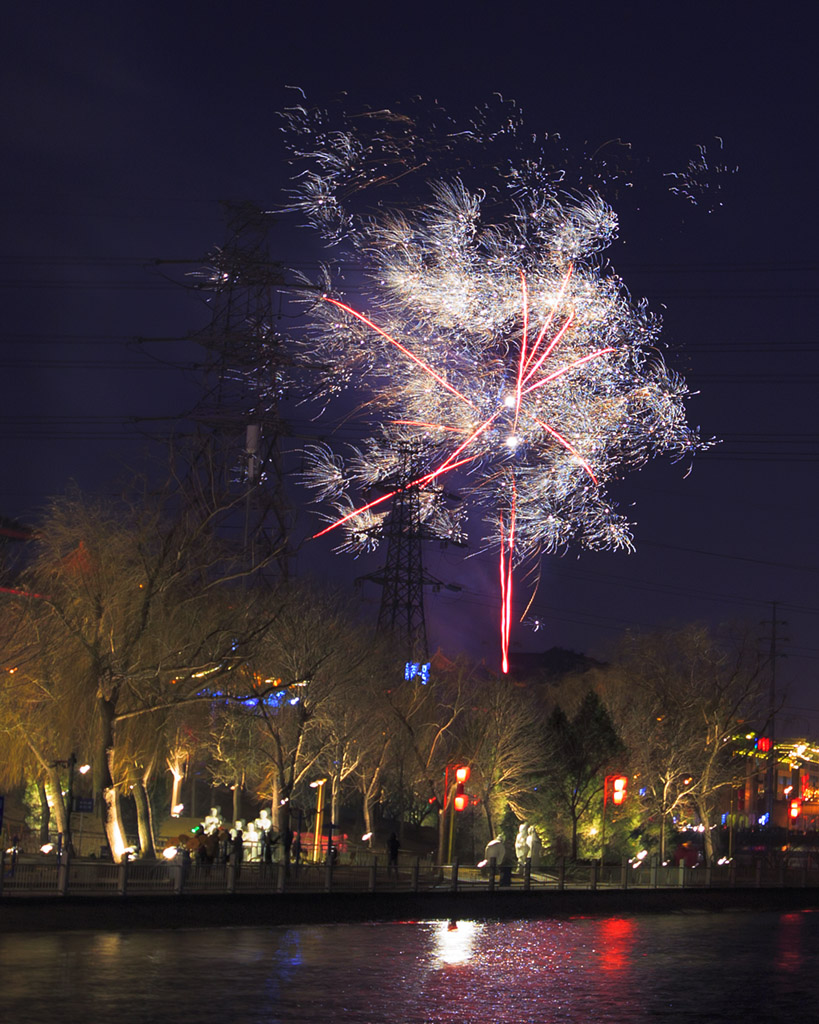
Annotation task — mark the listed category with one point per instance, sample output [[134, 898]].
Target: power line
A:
[[736, 558]]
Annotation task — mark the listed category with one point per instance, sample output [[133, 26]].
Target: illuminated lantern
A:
[[461, 799], [619, 786], [795, 808]]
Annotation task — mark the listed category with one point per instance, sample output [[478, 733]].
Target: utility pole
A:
[[773, 654]]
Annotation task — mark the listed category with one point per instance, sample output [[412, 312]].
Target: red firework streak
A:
[[530, 360]]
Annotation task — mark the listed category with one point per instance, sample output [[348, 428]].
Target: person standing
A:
[[295, 850], [238, 852], [393, 846]]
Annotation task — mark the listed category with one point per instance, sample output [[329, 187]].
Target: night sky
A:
[[125, 125]]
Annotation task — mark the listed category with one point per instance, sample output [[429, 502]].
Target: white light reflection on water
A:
[[626, 970], [454, 940]]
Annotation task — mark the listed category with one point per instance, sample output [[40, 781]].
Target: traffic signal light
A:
[[461, 776], [619, 788], [794, 808]]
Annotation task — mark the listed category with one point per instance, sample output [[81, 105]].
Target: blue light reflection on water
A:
[[729, 967]]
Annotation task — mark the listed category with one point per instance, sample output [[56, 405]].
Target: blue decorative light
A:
[[415, 669]]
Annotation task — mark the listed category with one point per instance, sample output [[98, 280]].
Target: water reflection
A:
[[454, 940], [789, 951], [603, 970], [617, 936]]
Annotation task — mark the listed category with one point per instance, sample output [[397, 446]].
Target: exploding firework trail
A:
[[496, 341]]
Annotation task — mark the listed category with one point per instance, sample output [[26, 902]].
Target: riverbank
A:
[[27, 914]]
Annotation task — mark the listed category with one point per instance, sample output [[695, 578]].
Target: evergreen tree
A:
[[579, 753]]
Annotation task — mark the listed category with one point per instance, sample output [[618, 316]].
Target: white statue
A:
[[263, 823], [495, 849], [521, 851], [534, 847], [213, 822], [267, 837], [251, 840]]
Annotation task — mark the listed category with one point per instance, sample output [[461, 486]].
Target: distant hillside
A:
[[550, 666]]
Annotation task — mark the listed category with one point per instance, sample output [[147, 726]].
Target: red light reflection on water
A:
[[789, 945], [617, 937], [582, 963]]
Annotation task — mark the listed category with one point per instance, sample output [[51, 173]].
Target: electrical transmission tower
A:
[[401, 613], [243, 380]]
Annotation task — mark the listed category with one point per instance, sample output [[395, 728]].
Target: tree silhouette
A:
[[579, 752]]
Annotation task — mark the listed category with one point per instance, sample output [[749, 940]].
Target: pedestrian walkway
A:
[[49, 876]]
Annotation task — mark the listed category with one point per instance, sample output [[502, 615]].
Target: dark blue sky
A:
[[123, 127]]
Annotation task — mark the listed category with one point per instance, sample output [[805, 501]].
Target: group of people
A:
[[214, 841]]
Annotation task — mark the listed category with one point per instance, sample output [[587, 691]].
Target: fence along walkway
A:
[[26, 877]]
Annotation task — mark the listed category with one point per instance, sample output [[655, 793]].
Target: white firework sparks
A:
[[495, 341]]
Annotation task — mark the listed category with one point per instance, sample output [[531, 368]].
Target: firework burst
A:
[[494, 340]]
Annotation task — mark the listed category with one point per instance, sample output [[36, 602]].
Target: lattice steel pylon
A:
[[243, 380], [403, 578]]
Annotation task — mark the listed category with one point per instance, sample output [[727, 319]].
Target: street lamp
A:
[[457, 799], [618, 784], [81, 805], [319, 785]]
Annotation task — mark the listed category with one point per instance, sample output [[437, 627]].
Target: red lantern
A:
[[461, 799]]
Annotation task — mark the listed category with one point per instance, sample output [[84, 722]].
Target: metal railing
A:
[[24, 876]]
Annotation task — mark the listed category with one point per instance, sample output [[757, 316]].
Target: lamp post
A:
[[72, 761], [618, 784], [319, 785], [458, 800]]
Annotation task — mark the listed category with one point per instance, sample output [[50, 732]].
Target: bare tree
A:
[[679, 698], [40, 718], [312, 662], [137, 603], [425, 739], [356, 741], [235, 757], [502, 742]]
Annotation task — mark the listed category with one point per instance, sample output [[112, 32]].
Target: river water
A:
[[679, 968]]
